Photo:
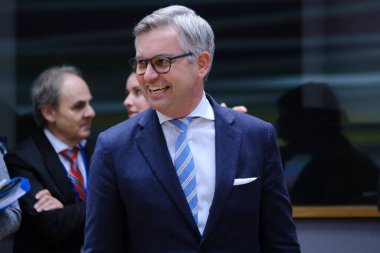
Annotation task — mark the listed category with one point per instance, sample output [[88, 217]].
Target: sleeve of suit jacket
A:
[[10, 218], [105, 231], [278, 233]]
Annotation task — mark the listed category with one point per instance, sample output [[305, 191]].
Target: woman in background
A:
[[134, 102]]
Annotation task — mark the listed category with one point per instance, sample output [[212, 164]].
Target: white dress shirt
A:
[[201, 139], [59, 146]]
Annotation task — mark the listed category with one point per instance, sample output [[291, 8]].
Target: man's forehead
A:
[[164, 41], [74, 88]]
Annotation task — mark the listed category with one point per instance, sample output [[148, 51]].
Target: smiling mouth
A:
[[158, 89]]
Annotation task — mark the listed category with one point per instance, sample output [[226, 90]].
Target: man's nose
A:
[[90, 112], [150, 74]]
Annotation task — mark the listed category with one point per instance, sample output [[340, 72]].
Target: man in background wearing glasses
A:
[[187, 175]]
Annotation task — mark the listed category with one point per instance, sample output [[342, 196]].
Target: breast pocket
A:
[[244, 199]]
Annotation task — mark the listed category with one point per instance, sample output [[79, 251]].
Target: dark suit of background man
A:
[[135, 199], [53, 216]]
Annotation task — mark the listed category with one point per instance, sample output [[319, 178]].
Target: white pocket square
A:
[[240, 181]]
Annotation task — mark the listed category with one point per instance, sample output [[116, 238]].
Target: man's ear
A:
[[204, 63], [49, 113]]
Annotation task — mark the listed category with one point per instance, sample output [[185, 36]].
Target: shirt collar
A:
[[203, 110], [57, 144]]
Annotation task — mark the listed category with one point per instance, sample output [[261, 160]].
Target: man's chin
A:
[[85, 134], [158, 105]]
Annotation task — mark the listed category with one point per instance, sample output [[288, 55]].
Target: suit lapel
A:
[[151, 142], [227, 146], [89, 149], [55, 168]]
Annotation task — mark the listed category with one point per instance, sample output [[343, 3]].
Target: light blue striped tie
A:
[[184, 165]]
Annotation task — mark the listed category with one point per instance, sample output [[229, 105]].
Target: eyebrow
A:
[[81, 103], [157, 55], [78, 104]]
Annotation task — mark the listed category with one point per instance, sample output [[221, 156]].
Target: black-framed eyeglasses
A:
[[161, 64]]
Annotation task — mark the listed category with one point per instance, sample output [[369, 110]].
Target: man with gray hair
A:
[[55, 162], [186, 175]]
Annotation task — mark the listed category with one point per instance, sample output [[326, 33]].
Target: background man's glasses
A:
[[161, 64]]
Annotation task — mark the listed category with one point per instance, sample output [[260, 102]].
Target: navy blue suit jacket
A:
[[136, 204]]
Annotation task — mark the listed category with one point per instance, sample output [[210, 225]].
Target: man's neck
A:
[[60, 137]]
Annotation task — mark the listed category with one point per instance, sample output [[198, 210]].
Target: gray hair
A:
[[196, 34], [46, 89]]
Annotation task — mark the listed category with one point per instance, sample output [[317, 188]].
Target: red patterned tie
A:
[[74, 173]]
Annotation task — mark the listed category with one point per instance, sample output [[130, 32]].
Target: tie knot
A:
[[182, 124], [70, 154]]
